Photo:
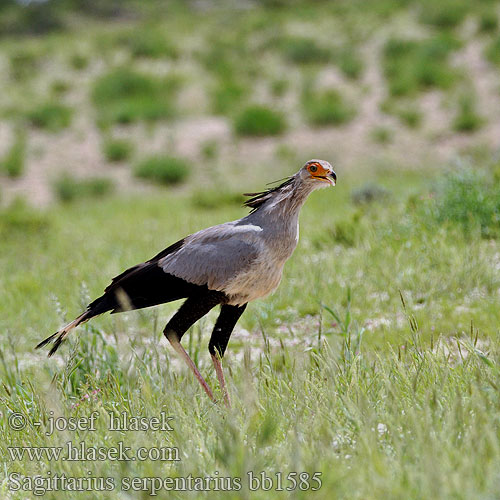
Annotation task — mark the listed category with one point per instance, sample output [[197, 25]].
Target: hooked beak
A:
[[332, 178]]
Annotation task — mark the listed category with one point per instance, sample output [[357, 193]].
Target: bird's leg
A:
[[174, 341], [220, 377], [223, 328], [191, 311]]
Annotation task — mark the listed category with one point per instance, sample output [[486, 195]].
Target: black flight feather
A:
[[258, 199]]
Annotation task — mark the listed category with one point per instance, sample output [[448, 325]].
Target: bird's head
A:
[[318, 173]]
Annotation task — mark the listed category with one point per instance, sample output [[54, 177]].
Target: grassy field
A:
[[332, 374], [375, 365]]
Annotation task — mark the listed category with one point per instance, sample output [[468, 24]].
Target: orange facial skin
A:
[[319, 172]]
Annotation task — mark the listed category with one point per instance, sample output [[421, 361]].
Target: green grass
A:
[[150, 41], [51, 116], [302, 50], [258, 120], [493, 51], [326, 107], [69, 188], [13, 162], [350, 63], [444, 14], [228, 95], [385, 400], [471, 199], [125, 96], [117, 150], [411, 66], [467, 119], [163, 170], [405, 110], [488, 21]]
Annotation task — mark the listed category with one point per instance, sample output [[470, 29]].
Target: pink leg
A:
[[182, 352], [220, 377]]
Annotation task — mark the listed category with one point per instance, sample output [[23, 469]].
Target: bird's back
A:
[[242, 258]]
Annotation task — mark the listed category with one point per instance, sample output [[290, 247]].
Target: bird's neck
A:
[[283, 207]]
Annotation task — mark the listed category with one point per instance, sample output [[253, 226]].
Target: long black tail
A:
[[140, 286]]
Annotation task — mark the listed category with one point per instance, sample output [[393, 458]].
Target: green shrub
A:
[[348, 230], [467, 120], [59, 87], [23, 63], [31, 18], [410, 116], [78, 61], [369, 193], [228, 96], [116, 150], [326, 108], [125, 96], [68, 188], [488, 21], [209, 149], [469, 198], [51, 116], [382, 135], [163, 169], [444, 13], [405, 110], [13, 162], [150, 42], [259, 121], [493, 51], [350, 63], [411, 66], [300, 50]]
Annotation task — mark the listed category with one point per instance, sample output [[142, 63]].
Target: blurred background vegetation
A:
[[91, 90]]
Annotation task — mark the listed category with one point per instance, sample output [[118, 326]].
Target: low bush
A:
[[69, 188], [467, 119], [228, 96], [116, 150], [326, 108], [469, 198], [411, 66], [488, 21], [445, 13], [369, 193], [350, 63], [301, 50], [259, 121], [150, 42], [13, 162], [125, 96], [51, 116], [163, 170], [493, 51]]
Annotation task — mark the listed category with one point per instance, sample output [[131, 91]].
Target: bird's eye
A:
[[313, 168]]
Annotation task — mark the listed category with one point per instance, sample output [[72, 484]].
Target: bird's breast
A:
[[262, 278]]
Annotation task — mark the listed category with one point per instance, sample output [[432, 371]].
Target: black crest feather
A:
[[258, 199]]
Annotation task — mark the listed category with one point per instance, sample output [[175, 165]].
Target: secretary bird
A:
[[229, 264]]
